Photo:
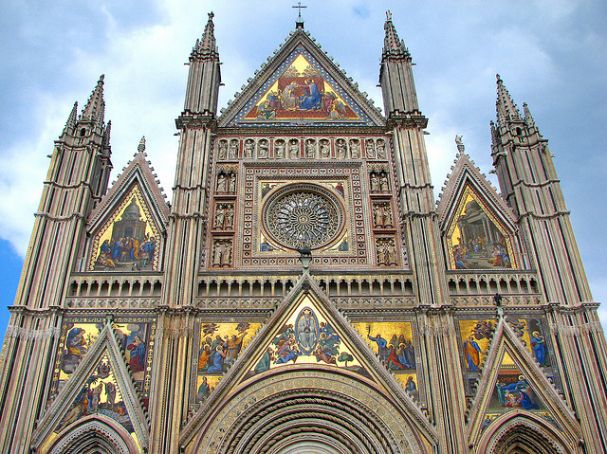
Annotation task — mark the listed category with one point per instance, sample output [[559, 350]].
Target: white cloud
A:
[[458, 48]]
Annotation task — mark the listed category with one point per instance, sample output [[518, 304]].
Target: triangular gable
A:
[[308, 336], [128, 225], [478, 226], [101, 385], [464, 174], [300, 85], [306, 329], [138, 171], [513, 382]]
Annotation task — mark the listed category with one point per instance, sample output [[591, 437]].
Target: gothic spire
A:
[[393, 46], [94, 109], [505, 107], [207, 43], [71, 119]]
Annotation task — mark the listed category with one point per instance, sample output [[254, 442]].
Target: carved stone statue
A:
[[386, 252], [218, 254], [223, 149], [383, 182], [341, 148], [459, 143], [248, 148], [293, 149], [354, 149], [263, 149], [220, 216], [381, 149], [279, 149], [382, 215], [325, 149], [229, 217], [370, 148], [233, 151], [374, 182], [232, 183], [221, 183], [310, 148]]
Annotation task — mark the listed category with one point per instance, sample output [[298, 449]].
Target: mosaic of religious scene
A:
[[75, 341], [513, 391], [99, 394], [129, 241], [301, 92], [78, 337], [134, 339], [476, 339], [475, 239], [393, 344], [307, 338], [476, 336], [220, 346]]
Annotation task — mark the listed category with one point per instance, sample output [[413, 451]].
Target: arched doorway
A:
[[523, 433], [95, 434], [315, 409]]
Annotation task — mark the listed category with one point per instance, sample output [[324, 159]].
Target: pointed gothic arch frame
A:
[[504, 341], [137, 175], [523, 430], [106, 343], [464, 177], [93, 432], [417, 431], [303, 40]]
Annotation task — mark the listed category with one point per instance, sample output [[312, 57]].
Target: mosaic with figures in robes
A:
[[220, 347], [130, 240], [78, 337], [393, 344], [512, 391], [301, 93], [476, 337], [475, 239]]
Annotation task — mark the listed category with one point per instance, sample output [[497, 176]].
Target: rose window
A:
[[303, 216]]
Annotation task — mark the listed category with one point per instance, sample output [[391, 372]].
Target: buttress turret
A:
[[396, 79], [204, 78]]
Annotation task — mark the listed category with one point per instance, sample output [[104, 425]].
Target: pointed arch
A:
[[523, 433], [94, 434], [547, 404], [414, 433], [103, 360]]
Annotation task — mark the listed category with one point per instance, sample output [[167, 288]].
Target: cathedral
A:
[[304, 291]]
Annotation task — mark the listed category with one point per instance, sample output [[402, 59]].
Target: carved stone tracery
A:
[[303, 216]]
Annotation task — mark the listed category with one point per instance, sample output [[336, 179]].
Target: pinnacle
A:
[[71, 119], [94, 109], [207, 43], [505, 106], [393, 46]]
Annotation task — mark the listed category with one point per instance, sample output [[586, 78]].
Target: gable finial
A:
[[460, 144], [141, 146], [299, 24], [389, 16]]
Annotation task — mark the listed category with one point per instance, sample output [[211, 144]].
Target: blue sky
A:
[[551, 54]]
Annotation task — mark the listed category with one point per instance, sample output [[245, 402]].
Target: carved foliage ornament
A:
[[303, 216]]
